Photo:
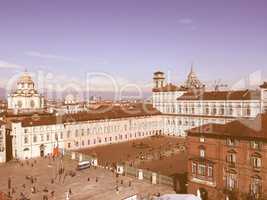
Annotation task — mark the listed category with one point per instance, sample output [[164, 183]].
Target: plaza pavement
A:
[[44, 171]]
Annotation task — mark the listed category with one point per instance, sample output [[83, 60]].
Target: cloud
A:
[[7, 65], [48, 56], [186, 21]]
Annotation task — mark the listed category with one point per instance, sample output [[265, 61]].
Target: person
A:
[[67, 196], [96, 179], [70, 191], [88, 179]]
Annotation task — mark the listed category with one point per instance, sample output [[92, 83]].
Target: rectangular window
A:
[[210, 171], [201, 170], [202, 153], [194, 168]]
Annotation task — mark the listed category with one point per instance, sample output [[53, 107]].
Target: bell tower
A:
[[159, 80]]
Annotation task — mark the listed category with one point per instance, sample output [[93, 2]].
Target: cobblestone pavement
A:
[[43, 171]]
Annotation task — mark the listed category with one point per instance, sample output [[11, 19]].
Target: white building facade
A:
[[188, 106], [2, 142], [30, 140]]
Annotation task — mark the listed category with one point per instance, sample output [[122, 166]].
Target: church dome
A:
[[25, 78]]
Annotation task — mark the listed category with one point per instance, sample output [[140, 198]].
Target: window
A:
[[222, 110], [214, 110], [230, 109], [248, 111], [194, 168], [231, 141], [34, 138], [82, 132], [207, 110], [47, 137], [255, 145], [201, 170], [88, 142], [25, 140], [256, 160], [256, 185], [231, 181], [42, 138], [201, 139], [210, 171], [61, 135], [231, 158], [202, 153]]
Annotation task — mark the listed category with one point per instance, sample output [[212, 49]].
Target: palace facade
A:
[[40, 136], [191, 105], [2, 142]]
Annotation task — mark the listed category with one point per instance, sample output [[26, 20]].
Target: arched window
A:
[[256, 185]]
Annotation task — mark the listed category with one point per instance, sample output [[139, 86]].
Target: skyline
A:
[[131, 40]]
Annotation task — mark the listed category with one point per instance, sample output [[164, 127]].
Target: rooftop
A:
[[222, 95], [243, 128], [101, 113]]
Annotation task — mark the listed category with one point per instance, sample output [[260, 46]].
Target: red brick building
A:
[[228, 161]]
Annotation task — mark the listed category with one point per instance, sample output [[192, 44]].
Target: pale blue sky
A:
[[131, 39]]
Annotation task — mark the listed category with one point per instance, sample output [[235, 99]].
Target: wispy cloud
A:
[[8, 65], [48, 56], [186, 21]]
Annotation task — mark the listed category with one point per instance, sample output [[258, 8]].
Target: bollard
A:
[[154, 178], [119, 169], [140, 174], [72, 155], [80, 157]]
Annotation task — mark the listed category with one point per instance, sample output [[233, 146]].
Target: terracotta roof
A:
[[264, 85], [102, 113], [169, 88], [201, 116], [243, 128], [222, 95]]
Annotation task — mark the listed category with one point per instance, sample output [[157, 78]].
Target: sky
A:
[[130, 39]]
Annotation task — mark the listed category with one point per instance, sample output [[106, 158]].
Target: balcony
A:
[[203, 180], [231, 164]]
